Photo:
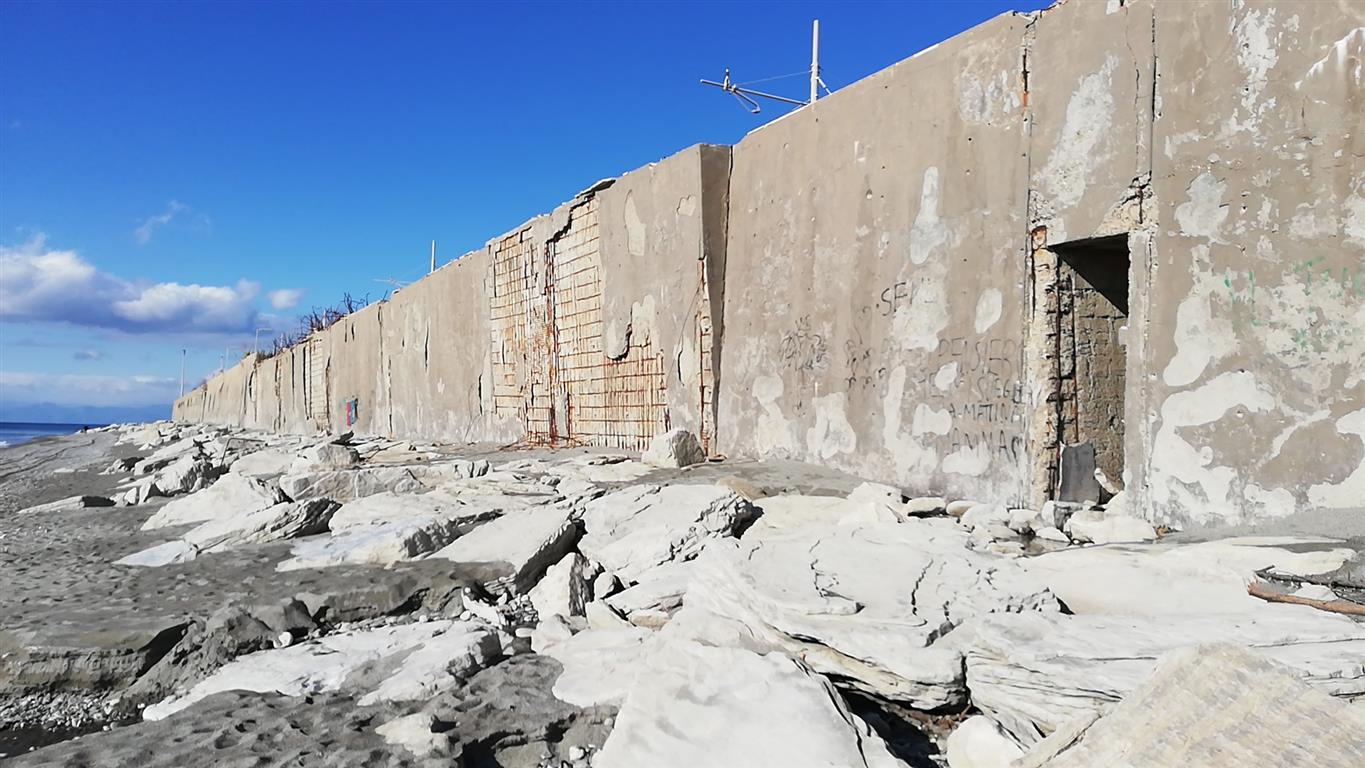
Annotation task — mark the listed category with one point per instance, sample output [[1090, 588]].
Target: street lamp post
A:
[[182, 372]]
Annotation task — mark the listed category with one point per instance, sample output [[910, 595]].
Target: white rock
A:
[[660, 588], [530, 540], [694, 705], [565, 588], [285, 520], [382, 544], [549, 632], [425, 656], [325, 456], [1035, 672], [675, 448], [1220, 706], [387, 507], [599, 664], [635, 529], [605, 585], [794, 512], [284, 640], [1050, 533], [268, 462], [343, 485], [231, 494], [925, 505], [1084, 527], [986, 515], [877, 503], [177, 551], [183, 475], [979, 743], [414, 733], [959, 507], [865, 604]]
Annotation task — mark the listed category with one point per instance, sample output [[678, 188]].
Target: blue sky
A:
[[175, 175]]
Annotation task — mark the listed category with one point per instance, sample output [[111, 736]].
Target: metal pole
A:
[[182, 372], [433, 255], [815, 61]]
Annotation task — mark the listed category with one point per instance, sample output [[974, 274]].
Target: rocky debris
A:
[[926, 506], [635, 529], [69, 503], [530, 540], [864, 604], [231, 494], [409, 653], [388, 507], [565, 588], [675, 448], [184, 475], [1035, 672], [1217, 706], [979, 743], [696, 705], [1098, 527]]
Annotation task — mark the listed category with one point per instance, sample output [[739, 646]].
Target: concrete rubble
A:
[[649, 618]]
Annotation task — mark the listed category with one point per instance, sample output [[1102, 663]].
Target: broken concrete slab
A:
[[1222, 706], [269, 462], [1034, 672], [1098, 527], [324, 457], [530, 540], [864, 604], [169, 553], [696, 705], [231, 494], [382, 544], [638, 528], [660, 589]]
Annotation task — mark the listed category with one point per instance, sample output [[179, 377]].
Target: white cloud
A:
[[20, 387], [88, 354], [143, 234], [37, 283], [285, 298]]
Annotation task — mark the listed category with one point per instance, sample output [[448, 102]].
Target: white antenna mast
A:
[[815, 61], [745, 95], [433, 255]]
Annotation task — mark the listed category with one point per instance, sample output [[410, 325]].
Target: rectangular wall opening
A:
[[1092, 304]]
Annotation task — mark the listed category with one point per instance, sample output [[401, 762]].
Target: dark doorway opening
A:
[[1092, 287]]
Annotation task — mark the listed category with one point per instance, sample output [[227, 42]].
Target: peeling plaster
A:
[[987, 309], [1203, 214], [1081, 146], [930, 420], [918, 322], [832, 434], [1183, 479], [1340, 54], [635, 227], [772, 430], [946, 376], [1351, 491], [967, 461], [1200, 338], [913, 459]]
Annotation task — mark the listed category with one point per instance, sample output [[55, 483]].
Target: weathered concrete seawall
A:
[[1139, 227]]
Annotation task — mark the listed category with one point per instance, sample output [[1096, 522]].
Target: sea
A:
[[18, 432]]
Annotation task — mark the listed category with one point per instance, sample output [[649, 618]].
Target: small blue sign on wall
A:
[[352, 411]]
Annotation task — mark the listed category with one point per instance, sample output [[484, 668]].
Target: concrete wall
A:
[[1138, 225], [590, 324]]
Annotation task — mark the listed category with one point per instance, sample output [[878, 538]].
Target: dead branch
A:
[[1257, 589]]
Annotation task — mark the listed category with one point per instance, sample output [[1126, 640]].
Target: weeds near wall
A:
[[317, 319]]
